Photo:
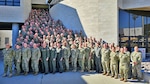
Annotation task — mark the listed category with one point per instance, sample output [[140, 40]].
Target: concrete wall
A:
[[129, 4], [39, 1], [15, 14], [5, 34], [99, 18], [67, 15]]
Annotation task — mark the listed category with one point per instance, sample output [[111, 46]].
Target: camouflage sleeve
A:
[[29, 53], [139, 58], [20, 55], [69, 52], [12, 55], [39, 53]]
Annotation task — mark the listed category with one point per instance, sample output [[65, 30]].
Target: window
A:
[[6, 40], [10, 2]]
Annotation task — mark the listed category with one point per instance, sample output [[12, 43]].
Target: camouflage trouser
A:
[[87, 63], [18, 67], [114, 69], [34, 65], [66, 62], [92, 63], [74, 63], [25, 65], [136, 71], [106, 66], [81, 63], [124, 71], [8, 65]]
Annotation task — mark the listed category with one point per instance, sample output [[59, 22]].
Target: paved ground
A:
[[61, 78]]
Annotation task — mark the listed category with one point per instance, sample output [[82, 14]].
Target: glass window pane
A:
[[6, 40], [16, 0], [9, 3], [9, 0], [16, 4], [2, 3]]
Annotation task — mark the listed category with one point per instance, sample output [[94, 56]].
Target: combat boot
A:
[[4, 75], [125, 80], [107, 74], [116, 77], [121, 79], [10, 75], [104, 73]]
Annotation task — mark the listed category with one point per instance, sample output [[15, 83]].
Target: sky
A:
[[124, 20]]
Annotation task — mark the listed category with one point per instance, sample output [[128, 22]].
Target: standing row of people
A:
[[114, 60]]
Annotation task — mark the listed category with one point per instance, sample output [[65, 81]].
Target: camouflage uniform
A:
[[105, 60], [87, 58], [136, 68], [123, 65], [18, 60], [26, 55], [74, 56], [82, 58], [66, 55], [36, 54], [8, 59], [114, 64]]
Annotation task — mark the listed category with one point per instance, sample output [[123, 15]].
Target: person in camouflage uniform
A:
[[136, 58], [36, 54], [92, 56], [8, 59], [45, 57], [81, 57], [124, 59], [17, 53], [130, 66], [87, 57], [114, 63], [105, 59], [74, 57], [66, 55], [26, 55]]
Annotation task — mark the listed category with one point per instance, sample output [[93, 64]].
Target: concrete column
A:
[[15, 31]]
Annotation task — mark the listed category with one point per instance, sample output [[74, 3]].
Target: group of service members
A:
[[103, 57]]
